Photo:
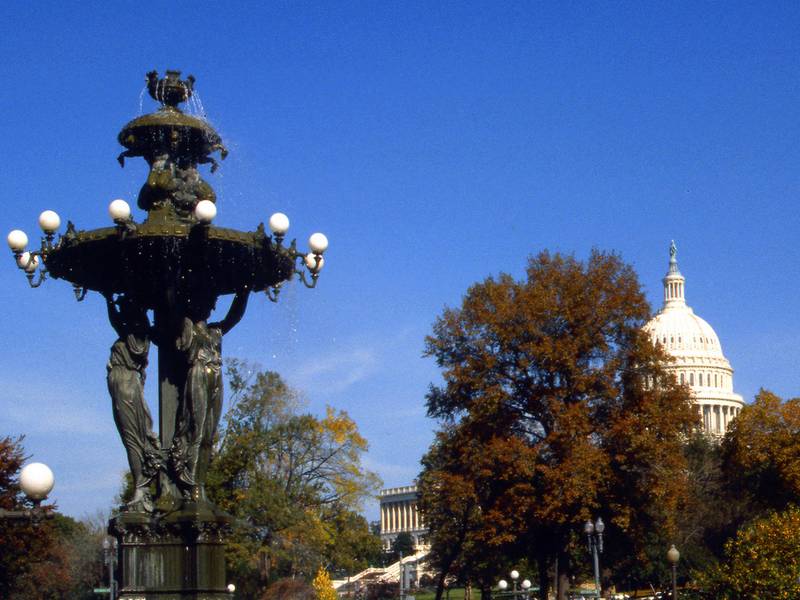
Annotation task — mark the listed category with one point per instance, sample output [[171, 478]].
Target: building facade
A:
[[398, 508], [697, 353]]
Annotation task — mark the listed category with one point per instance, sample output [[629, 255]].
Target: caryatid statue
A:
[[126, 376], [200, 406]]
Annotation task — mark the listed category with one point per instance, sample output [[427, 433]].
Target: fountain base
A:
[[172, 556]]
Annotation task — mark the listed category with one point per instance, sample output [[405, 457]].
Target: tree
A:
[[293, 480], [762, 561], [555, 407], [23, 543], [353, 546], [761, 452], [323, 588], [403, 544], [56, 558]]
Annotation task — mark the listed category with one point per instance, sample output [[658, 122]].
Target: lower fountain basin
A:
[[193, 260]]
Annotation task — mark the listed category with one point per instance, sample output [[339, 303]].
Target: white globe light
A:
[[231, 588], [205, 211], [502, 584], [514, 574], [36, 480], [312, 264], [279, 223], [318, 243], [599, 526], [28, 263], [526, 584], [49, 221], [17, 240], [119, 210]]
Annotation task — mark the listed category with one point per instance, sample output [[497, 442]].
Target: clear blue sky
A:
[[435, 144]]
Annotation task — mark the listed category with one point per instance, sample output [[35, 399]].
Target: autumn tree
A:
[[55, 558], [761, 561], [23, 543], [761, 452], [323, 587], [295, 481], [554, 408]]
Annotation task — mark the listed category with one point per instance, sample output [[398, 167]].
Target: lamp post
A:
[[174, 265], [594, 535], [36, 481], [525, 585], [110, 561], [673, 556]]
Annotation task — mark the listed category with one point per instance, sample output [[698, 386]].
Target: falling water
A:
[[141, 99], [199, 104]]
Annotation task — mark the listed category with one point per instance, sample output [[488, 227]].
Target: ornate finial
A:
[[673, 260], [170, 90]]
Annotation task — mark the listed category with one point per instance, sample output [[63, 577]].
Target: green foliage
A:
[[403, 544], [762, 562], [555, 407], [295, 482]]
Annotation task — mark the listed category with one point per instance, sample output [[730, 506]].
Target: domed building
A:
[[697, 353]]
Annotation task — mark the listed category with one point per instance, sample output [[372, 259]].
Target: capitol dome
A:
[[698, 358]]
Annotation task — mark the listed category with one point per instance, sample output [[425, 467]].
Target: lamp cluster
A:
[[31, 261], [525, 585], [313, 260]]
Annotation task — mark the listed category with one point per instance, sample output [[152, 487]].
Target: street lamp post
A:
[[673, 556], [594, 535], [525, 585], [161, 278], [110, 560], [36, 481]]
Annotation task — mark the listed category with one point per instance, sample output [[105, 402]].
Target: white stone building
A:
[[399, 515], [698, 359]]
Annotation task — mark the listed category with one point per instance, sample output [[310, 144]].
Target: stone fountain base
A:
[[178, 555]]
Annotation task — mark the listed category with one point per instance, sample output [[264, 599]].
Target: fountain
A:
[[173, 265]]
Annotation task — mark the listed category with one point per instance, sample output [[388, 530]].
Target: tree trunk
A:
[[440, 585], [562, 583], [544, 579]]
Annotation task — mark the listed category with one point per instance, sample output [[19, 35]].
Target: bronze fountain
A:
[[174, 265]]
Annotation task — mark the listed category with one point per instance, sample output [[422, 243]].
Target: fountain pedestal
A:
[[172, 556]]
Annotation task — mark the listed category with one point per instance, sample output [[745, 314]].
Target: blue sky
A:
[[435, 144]]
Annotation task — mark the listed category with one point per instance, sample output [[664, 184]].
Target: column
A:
[[383, 518]]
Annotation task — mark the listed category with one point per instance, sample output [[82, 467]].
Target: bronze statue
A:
[[126, 375], [201, 402]]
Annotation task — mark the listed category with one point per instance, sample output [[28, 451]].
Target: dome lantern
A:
[[673, 281]]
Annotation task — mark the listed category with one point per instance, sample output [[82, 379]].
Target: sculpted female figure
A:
[[126, 374], [201, 403]]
